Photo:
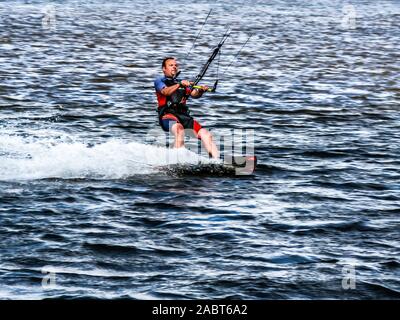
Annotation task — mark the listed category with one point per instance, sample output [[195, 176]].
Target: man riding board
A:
[[173, 113]]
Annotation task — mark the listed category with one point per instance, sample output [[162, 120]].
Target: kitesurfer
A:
[[173, 112]]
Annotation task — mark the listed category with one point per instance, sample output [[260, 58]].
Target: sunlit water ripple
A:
[[81, 195]]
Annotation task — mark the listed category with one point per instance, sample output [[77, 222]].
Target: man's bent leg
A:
[[208, 143], [179, 133]]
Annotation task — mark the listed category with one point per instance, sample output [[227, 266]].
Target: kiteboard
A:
[[230, 166]]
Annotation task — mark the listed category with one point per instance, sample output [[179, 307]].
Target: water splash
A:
[[28, 158]]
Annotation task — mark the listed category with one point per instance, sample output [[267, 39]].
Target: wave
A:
[[29, 158]]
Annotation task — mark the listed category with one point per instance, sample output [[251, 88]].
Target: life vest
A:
[[175, 104]]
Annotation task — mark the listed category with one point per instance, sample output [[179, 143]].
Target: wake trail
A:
[[30, 158]]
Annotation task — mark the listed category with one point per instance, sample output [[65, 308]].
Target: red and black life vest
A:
[[175, 104]]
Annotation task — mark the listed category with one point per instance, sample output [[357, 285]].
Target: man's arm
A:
[[161, 87], [167, 91], [197, 93]]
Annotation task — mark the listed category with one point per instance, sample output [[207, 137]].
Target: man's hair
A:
[[165, 61]]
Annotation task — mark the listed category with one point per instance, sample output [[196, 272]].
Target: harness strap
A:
[[184, 117]]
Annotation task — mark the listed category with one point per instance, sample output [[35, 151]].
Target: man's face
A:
[[171, 68]]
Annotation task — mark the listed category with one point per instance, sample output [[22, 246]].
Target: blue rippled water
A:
[[85, 211]]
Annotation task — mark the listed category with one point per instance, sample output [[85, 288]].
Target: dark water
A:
[[86, 213]]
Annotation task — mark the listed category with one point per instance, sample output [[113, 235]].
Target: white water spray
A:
[[28, 158]]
